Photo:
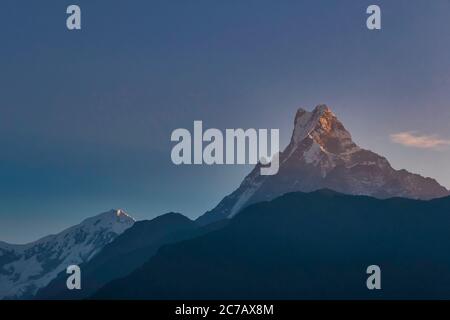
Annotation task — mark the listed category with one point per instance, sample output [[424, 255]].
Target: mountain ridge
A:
[[314, 245]]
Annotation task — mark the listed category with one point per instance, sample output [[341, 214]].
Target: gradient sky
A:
[[86, 116]]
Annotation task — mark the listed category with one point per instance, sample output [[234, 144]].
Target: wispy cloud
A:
[[412, 139]]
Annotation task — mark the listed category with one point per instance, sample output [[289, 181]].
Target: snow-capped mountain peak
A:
[[322, 155], [116, 220], [322, 126], [305, 121], [26, 268], [121, 213]]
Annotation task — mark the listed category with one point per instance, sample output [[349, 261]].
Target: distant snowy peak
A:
[[321, 154], [26, 268], [116, 220]]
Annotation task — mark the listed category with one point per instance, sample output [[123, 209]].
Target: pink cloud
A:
[[412, 139]]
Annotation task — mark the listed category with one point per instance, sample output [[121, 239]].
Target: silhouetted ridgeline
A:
[[305, 246]]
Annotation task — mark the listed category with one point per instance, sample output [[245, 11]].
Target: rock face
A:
[[26, 268], [322, 154]]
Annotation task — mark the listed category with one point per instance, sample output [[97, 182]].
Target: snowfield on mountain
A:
[[26, 268]]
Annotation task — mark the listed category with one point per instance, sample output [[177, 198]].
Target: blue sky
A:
[[86, 116]]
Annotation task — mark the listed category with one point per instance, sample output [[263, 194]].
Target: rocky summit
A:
[[322, 154]]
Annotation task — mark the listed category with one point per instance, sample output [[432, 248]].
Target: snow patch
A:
[[312, 155]]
